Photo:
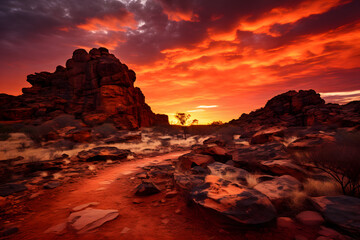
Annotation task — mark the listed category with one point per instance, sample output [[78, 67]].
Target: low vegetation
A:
[[340, 160]]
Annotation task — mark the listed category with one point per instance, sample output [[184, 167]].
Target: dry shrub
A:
[[340, 160], [39, 133], [297, 199], [251, 180], [227, 133], [105, 130], [315, 188]]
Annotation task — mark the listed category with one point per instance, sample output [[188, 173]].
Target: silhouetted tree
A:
[[217, 123], [183, 118], [195, 122]]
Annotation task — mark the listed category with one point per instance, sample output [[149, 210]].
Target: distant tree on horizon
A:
[[183, 118], [216, 123], [195, 122]]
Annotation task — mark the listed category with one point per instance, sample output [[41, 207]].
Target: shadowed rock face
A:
[[94, 86], [303, 108]]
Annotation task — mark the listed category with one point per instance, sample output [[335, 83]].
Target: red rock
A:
[[95, 87], [189, 160]]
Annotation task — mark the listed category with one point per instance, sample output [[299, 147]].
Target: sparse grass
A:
[[251, 180], [315, 188], [340, 160], [297, 199]]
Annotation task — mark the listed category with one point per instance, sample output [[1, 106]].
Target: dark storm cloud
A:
[[24, 20], [314, 24], [159, 32]]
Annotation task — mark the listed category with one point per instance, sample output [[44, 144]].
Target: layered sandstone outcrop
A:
[[94, 86]]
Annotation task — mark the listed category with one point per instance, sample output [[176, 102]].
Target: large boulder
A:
[[219, 154], [267, 135], [342, 211], [236, 202]]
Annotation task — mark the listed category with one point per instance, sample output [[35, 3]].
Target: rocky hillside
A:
[[303, 108], [94, 86]]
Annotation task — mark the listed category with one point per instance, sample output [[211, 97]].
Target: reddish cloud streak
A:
[[235, 55]]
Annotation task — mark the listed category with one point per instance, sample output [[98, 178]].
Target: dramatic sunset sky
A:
[[214, 59]]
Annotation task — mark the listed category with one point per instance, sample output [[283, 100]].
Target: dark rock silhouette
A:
[[94, 86], [303, 108]]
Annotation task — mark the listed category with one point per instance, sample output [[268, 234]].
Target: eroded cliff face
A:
[[94, 86]]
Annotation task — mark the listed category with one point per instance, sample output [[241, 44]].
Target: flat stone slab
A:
[[239, 203], [228, 172], [103, 154], [83, 206], [279, 188], [343, 211], [90, 218]]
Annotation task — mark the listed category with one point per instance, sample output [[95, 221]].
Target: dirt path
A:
[[147, 219], [113, 189]]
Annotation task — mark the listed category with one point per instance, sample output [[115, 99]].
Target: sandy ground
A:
[[150, 219]]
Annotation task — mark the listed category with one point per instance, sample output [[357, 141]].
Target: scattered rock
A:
[[267, 135], [88, 219], [35, 195], [331, 233], [244, 205], [342, 211], [283, 167], [11, 188], [146, 189], [165, 221], [285, 222], [218, 153], [310, 218], [171, 194], [125, 230], [103, 154], [52, 185], [186, 182], [57, 229], [189, 160], [215, 140], [83, 206]]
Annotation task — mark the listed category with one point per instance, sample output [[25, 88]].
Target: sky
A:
[[213, 59]]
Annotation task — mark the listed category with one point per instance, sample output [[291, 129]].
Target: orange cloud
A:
[[109, 23]]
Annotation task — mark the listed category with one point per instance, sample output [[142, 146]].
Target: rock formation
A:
[[94, 86], [303, 108]]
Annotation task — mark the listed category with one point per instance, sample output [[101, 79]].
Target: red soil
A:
[[144, 219]]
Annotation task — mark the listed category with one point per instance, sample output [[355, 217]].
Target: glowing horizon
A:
[[213, 60]]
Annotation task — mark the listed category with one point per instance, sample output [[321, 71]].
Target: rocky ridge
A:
[[94, 86], [303, 108]]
